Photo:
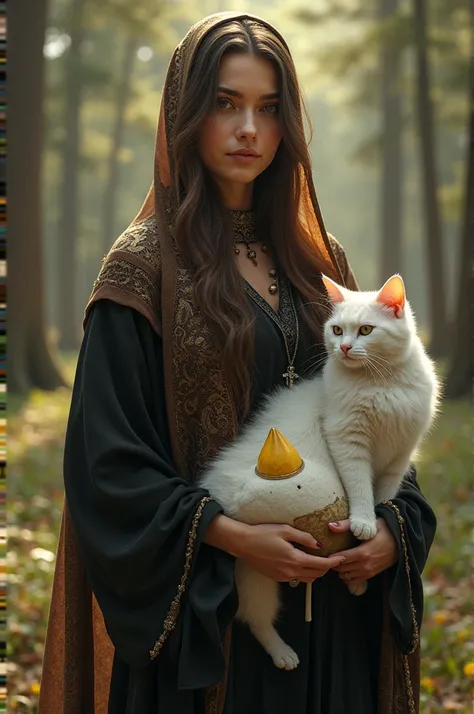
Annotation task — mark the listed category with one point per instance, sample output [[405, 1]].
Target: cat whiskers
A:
[[382, 362], [311, 365], [316, 366], [374, 371], [321, 352], [374, 368], [324, 302]]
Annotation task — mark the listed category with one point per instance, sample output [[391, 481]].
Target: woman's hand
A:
[[371, 557], [268, 548]]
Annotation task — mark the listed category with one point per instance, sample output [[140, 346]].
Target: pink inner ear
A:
[[392, 294], [335, 295]]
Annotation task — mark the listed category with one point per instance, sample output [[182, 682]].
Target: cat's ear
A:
[[392, 295], [334, 291]]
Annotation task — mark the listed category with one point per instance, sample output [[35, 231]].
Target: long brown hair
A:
[[203, 230]]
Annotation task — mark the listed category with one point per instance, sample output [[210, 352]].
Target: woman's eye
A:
[[337, 330], [271, 108], [365, 330], [223, 103]]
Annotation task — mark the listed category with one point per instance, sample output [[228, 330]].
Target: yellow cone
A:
[[278, 458]]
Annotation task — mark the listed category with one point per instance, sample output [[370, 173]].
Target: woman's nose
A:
[[247, 128]]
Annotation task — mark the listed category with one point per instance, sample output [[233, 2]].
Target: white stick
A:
[[308, 615]]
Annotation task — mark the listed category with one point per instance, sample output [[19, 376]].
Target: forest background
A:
[[389, 85]]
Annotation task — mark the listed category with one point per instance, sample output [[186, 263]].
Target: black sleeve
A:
[[413, 525], [139, 525]]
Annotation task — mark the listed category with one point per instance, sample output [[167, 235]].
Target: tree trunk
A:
[[458, 383], [30, 363], [69, 325], [123, 93], [434, 243], [391, 197]]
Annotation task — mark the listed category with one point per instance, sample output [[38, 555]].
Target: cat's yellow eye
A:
[[337, 330], [365, 330]]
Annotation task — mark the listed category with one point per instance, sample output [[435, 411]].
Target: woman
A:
[[209, 300]]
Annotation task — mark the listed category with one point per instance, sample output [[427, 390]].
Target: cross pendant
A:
[[290, 376]]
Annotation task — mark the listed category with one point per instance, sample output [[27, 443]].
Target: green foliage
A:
[[448, 631], [36, 428], [339, 46], [109, 27]]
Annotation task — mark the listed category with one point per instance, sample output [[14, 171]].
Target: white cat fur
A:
[[356, 422]]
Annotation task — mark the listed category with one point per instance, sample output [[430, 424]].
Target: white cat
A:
[[359, 422]]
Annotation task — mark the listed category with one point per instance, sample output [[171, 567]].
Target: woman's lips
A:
[[244, 156]]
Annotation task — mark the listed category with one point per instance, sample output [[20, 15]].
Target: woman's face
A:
[[241, 134]]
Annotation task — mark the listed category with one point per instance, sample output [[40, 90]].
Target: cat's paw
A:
[[357, 588], [363, 529], [284, 657]]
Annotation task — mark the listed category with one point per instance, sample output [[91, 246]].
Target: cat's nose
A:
[[346, 348]]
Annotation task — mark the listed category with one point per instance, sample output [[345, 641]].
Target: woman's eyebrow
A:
[[234, 93]]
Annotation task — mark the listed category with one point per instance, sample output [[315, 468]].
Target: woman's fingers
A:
[[320, 568], [293, 535], [316, 562], [311, 576], [340, 526], [272, 550], [309, 567]]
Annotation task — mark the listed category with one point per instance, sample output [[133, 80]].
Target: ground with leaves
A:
[[36, 430]]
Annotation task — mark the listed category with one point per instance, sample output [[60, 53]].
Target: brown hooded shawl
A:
[[145, 271]]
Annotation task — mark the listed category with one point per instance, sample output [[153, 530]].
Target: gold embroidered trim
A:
[[142, 241], [341, 259], [214, 696], [416, 632], [244, 225], [401, 523], [133, 267], [173, 612], [211, 698], [285, 318], [122, 275], [408, 684], [204, 414]]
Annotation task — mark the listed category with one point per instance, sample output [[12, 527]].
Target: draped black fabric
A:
[[133, 515], [131, 511], [420, 528]]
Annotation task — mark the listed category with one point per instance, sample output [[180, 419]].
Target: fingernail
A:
[[342, 559], [319, 544], [334, 523]]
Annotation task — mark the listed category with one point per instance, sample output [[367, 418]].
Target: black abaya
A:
[[132, 514]]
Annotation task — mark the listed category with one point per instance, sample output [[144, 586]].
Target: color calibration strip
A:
[[3, 297]]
